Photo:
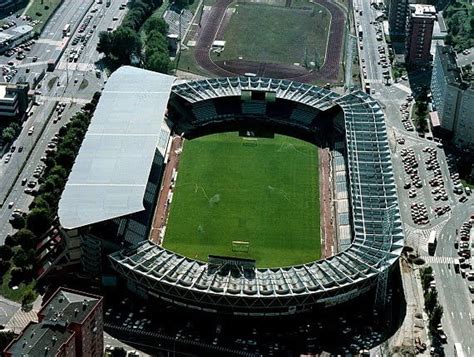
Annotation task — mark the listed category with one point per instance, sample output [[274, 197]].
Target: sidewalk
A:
[[414, 325], [21, 318]]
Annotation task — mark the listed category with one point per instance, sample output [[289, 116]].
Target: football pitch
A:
[[259, 190], [275, 34]]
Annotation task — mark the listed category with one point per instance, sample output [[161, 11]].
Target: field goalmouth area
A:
[[261, 191]]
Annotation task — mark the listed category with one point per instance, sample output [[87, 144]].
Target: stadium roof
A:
[[110, 173]]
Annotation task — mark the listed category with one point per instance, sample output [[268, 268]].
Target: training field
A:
[[264, 191], [274, 34]]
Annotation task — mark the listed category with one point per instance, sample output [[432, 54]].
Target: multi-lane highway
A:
[[73, 83]]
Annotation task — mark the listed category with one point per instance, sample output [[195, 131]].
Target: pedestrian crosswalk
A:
[[418, 238], [438, 260]]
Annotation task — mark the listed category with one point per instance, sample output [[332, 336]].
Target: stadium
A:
[[108, 205]]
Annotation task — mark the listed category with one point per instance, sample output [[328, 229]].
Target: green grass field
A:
[[276, 34], [42, 11], [264, 191]]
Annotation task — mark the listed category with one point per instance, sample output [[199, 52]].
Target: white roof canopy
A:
[[110, 174]]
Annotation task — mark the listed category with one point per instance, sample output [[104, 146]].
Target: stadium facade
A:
[[200, 107]]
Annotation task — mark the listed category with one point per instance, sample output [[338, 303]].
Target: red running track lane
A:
[[162, 208], [328, 72]]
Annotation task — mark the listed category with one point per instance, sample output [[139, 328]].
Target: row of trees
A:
[[19, 249], [125, 43], [156, 45], [459, 18], [432, 306]]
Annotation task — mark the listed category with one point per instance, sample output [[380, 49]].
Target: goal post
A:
[[240, 246]]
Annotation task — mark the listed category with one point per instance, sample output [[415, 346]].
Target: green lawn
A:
[[42, 10], [19, 293], [276, 34], [264, 191]]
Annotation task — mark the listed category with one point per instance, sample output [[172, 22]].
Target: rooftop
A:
[[111, 171], [451, 70], [46, 337], [69, 306], [422, 10], [4, 94], [40, 339]]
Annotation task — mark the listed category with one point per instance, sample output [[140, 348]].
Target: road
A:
[[77, 84], [452, 289]]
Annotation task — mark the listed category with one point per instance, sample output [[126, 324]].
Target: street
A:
[[71, 83]]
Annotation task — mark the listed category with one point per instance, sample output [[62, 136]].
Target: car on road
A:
[[20, 149], [31, 130], [32, 184], [10, 204], [24, 181]]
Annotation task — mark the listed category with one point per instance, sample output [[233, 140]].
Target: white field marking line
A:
[[106, 184], [329, 30]]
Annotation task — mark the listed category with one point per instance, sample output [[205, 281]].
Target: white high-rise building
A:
[[453, 97]]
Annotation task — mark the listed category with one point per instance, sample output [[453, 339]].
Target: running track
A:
[[328, 72]]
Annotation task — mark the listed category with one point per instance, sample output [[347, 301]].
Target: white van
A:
[[30, 131]]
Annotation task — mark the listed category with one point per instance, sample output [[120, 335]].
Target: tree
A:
[[25, 238], [21, 258], [65, 157], [426, 277], [431, 299], [38, 221], [156, 23], [60, 171], [28, 299], [105, 43], [40, 202], [125, 43], [436, 317], [11, 241], [4, 266], [158, 62], [53, 183], [5, 252], [18, 222], [8, 134]]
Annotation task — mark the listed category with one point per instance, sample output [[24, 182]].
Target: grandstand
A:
[[217, 104]]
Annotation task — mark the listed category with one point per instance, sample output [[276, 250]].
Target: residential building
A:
[[453, 96], [419, 31], [397, 11], [13, 99], [69, 324]]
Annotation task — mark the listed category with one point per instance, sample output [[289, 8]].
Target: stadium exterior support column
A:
[[381, 292]]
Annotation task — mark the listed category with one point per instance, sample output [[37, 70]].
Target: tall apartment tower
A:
[[397, 16], [452, 88], [419, 31]]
